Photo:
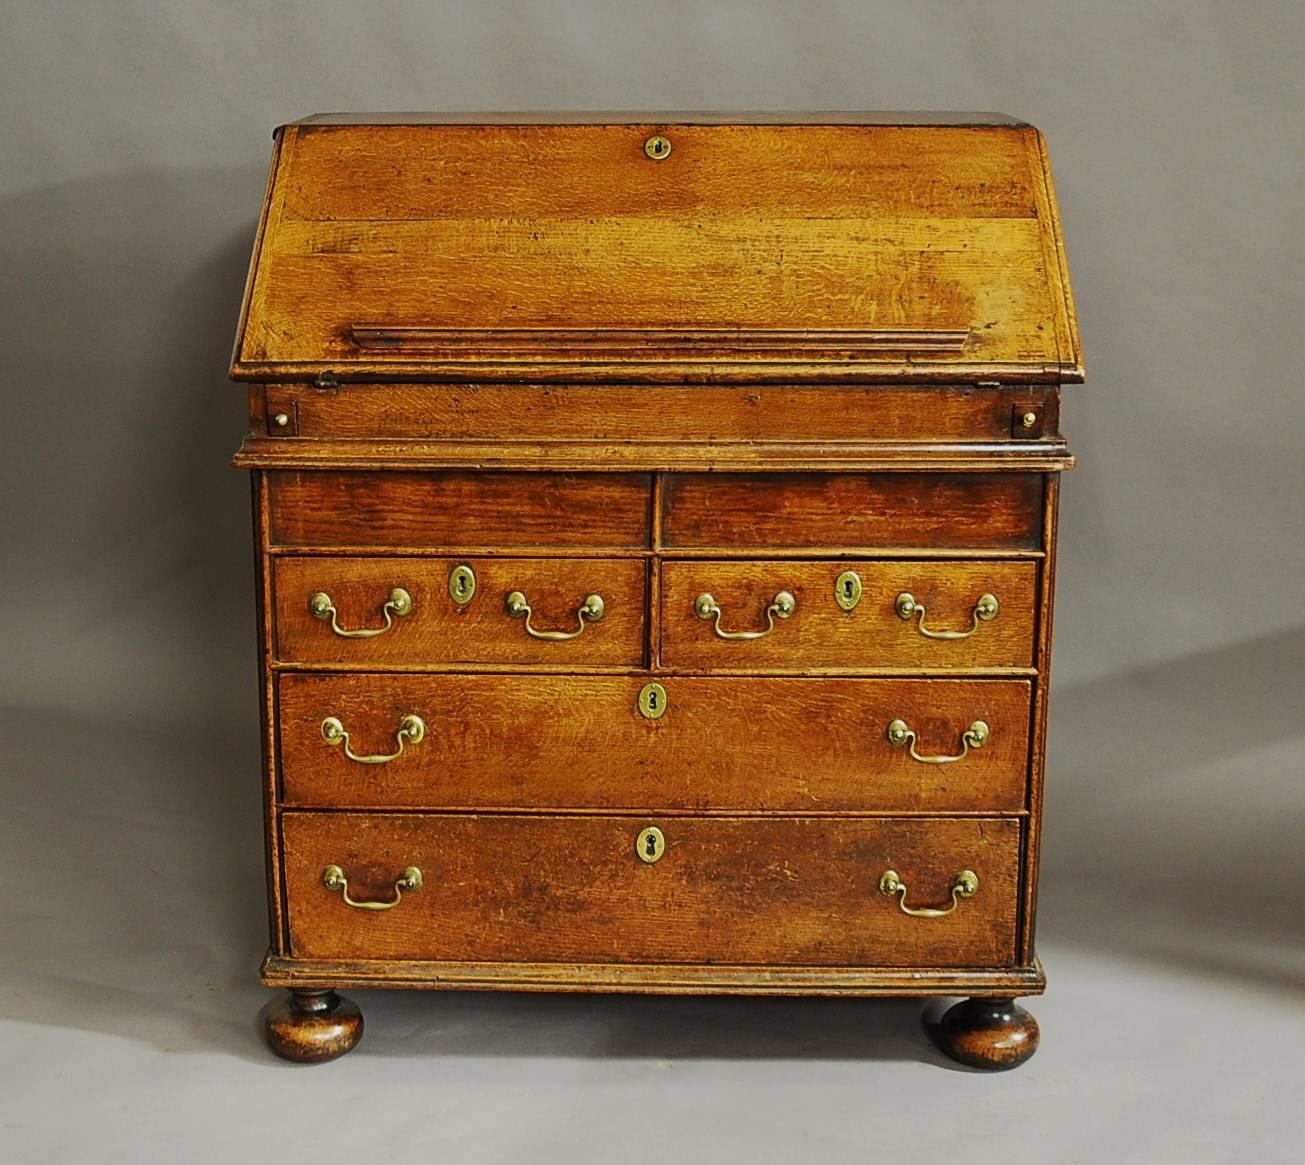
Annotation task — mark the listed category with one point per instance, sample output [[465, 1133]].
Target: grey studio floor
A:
[[1171, 929]]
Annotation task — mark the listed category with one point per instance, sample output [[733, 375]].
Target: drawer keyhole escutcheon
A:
[[462, 584], [708, 610], [399, 603], [964, 885], [650, 844], [847, 590], [652, 701], [590, 611], [901, 734], [333, 879], [412, 730], [907, 607], [657, 147]]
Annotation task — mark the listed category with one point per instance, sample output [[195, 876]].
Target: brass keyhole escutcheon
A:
[[657, 147], [847, 590], [462, 584], [650, 844], [652, 701]]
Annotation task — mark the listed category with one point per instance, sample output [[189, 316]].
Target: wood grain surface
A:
[[723, 743], [820, 633], [792, 891], [475, 230], [440, 630], [847, 511], [459, 510]]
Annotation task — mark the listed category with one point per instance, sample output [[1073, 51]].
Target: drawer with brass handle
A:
[[410, 611], [929, 892], [551, 742], [847, 613]]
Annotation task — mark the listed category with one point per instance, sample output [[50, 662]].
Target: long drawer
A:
[[790, 891], [557, 742], [377, 612], [847, 613]]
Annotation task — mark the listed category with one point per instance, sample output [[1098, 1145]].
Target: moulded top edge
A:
[[673, 117]]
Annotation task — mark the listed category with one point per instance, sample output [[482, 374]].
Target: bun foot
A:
[[311, 1027], [993, 1034]]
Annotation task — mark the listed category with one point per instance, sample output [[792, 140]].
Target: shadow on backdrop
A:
[[131, 841], [1175, 810]]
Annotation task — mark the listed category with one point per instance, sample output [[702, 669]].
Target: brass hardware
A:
[[975, 736], [964, 885], [333, 879], [847, 590], [650, 844], [591, 610], [1028, 420], [907, 608], [707, 609], [657, 147], [412, 730], [399, 603], [652, 701], [281, 420], [462, 584]]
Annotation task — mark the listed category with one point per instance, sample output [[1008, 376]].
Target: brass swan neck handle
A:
[[901, 734], [908, 606], [708, 610], [399, 603], [964, 885], [412, 730], [333, 879], [590, 611]]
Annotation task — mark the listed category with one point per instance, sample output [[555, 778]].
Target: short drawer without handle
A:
[[790, 891], [458, 509], [846, 511], [375, 612], [686, 743], [848, 614]]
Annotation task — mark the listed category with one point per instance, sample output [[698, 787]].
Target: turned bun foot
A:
[[311, 1027], [992, 1034]]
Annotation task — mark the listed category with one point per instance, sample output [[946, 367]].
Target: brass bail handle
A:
[[907, 607], [399, 603], [964, 885], [412, 730], [333, 879], [708, 610], [975, 736], [590, 611]]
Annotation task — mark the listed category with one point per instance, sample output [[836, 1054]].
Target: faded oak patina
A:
[[656, 528]]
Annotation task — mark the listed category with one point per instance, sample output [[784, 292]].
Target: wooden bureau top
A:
[[769, 248]]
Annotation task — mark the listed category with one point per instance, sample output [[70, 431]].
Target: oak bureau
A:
[[656, 529]]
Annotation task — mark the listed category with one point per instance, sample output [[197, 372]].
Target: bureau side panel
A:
[[1038, 727], [268, 715]]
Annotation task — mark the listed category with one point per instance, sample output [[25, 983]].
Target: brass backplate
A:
[[657, 147], [650, 844], [462, 584], [652, 701], [847, 590]]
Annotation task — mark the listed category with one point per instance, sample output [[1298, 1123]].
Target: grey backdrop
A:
[[133, 149]]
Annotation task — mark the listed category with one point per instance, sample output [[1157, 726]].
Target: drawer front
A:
[[457, 610], [788, 891], [898, 611], [459, 510], [835, 511], [725, 743]]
